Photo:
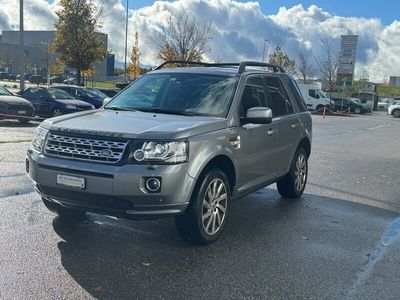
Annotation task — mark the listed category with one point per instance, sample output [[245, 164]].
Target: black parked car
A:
[[53, 102], [91, 96], [7, 76], [38, 79], [345, 103], [12, 105]]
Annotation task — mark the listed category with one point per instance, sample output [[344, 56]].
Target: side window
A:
[[253, 95], [313, 94], [297, 95], [32, 94], [279, 103]]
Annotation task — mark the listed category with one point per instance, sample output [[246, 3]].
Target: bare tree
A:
[[184, 38], [280, 58], [305, 68], [328, 68]]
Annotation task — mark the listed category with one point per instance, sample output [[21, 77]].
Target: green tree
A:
[[280, 58], [76, 41], [133, 67]]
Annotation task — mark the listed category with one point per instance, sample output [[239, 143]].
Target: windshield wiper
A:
[[167, 111], [120, 108]]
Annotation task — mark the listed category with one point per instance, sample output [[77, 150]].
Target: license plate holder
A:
[[71, 181]]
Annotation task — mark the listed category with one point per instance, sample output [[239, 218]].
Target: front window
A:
[[58, 94], [186, 94], [4, 92]]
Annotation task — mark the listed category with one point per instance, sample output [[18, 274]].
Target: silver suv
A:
[[180, 142]]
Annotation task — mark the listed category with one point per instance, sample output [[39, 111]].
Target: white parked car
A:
[[394, 109], [385, 103], [314, 97]]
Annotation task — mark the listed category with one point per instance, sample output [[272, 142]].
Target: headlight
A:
[[161, 152], [39, 136], [70, 106]]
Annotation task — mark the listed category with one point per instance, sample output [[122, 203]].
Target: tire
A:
[[23, 121], [319, 107], [396, 113], [357, 110], [66, 214], [205, 219], [57, 112], [293, 184]]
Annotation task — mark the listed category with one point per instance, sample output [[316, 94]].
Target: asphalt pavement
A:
[[341, 240]]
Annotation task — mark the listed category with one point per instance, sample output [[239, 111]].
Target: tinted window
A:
[[200, 94], [253, 95], [279, 101], [58, 94], [32, 94], [297, 95]]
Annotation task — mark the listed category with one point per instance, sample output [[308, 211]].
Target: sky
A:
[[240, 27]]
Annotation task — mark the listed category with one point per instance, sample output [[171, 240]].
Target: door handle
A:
[[270, 131], [294, 125]]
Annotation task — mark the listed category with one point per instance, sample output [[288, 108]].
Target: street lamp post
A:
[[21, 45], [126, 39], [263, 56]]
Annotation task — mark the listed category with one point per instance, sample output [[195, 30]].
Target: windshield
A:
[[194, 94], [4, 92], [95, 93], [322, 94], [58, 94]]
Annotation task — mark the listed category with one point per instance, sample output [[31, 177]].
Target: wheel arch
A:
[[306, 145]]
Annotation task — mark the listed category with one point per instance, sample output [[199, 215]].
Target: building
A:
[[394, 80], [37, 55], [110, 64], [346, 60]]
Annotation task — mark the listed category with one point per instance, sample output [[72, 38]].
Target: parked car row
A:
[[48, 102]]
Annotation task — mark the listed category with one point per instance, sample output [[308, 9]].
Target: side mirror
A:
[[259, 115], [106, 101]]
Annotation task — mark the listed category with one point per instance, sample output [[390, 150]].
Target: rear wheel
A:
[[396, 113], [357, 110], [294, 183], [67, 214], [206, 217]]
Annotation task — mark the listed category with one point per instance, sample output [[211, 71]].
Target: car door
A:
[[286, 121], [257, 154]]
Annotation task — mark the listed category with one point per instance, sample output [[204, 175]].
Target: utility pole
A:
[[263, 57], [126, 39], [21, 45]]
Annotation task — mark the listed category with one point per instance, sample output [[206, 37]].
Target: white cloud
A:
[[239, 30]]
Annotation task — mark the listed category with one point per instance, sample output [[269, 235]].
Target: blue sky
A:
[[387, 11]]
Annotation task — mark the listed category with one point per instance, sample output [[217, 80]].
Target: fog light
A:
[[153, 184]]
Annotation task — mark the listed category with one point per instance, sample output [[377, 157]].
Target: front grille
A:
[[87, 149]]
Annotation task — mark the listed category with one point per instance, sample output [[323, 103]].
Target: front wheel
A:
[[294, 183], [67, 214], [396, 113], [357, 110], [57, 112], [206, 217]]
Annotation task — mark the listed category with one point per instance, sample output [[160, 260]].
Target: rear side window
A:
[[297, 95]]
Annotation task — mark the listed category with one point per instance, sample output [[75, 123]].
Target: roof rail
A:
[[242, 66]]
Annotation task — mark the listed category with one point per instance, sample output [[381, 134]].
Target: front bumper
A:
[[112, 190]]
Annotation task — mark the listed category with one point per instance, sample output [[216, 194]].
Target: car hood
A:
[[14, 100], [135, 124], [72, 102]]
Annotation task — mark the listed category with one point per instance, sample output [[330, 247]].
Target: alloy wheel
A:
[[396, 113], [57, 112], [214, 206], [300, 172]]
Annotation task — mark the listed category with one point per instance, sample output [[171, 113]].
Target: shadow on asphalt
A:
[[15, 123], [272, 247]]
